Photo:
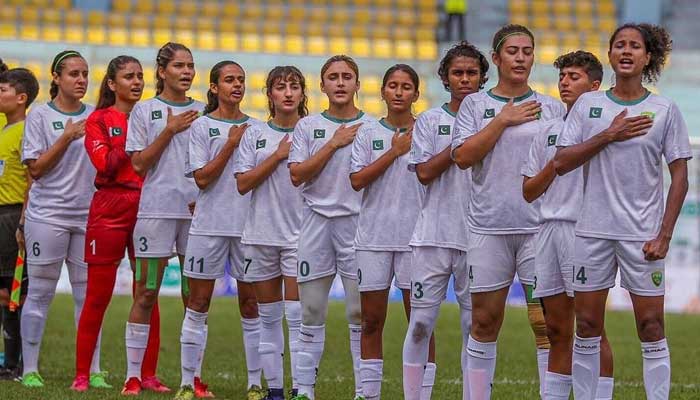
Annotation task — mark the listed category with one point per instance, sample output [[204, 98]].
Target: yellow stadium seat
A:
[[606, 8], [406, 18], [253, 10], [405, 49], [74, 34], [404, 4], [428, 18], [140, 37], [123, 6], [146, 6], [539, 7], [363, 3], [8, 14], [62, 4], [362, 16], [36, 68], [338, 46], [274, 13], [402, 33], [421, 105], [296, 14], [118, 36], [571, 41], [384, 17], [584, 23], [272, 44], [360, 47], [293, 44], [606, 24], [161, 36], [8, 29], [520, 19], [207, 40], [382, 48], [563, 23], [148, 92], [518, 7], [248, 27], [228, 42], [231, 9], [547, 54], [29, 31], [540, 21], [211, 9], [293, 28], [427, 34], [371, 84], [96, 18], [41, 4], [29, 15], [315, 30], [139, 21], [317, 45], [51, 17], [562, 7], [184, 36], [583, 8], [256, 80], [187, 7], [358, 31], [373, 105], [318, 14], [162, 22], [205, 24], [183, 23], [335, 31], [250, 43], [258, 100], [340, 16], [272, 28], [547, 38], [381, 32], [97, 35], [117, 20], [383, 3], [51, 33], [426, 50]]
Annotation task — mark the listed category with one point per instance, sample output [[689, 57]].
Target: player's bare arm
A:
[[305, 171], [400, 145], [534, 187]]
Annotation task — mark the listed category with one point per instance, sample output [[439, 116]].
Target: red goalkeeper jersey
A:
[[105, 140]]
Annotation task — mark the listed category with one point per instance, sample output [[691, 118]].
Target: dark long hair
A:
[[107, 98], [165, 55], [57, 67], [213, 98], [288, 73]]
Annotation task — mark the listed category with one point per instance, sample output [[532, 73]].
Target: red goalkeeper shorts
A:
[[111, 225]]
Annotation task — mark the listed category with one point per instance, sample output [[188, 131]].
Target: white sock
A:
[[251, 343], [272, 343], [292, 312], [585, 368], [311, 342], [191, 344], [136, 338], [200, 358], [33, 319], [557, 386], [428, 381], [542, 364], [355, 334], [482, 366], [371, 374], [656, 364], [412, 381], [465, 316], [606, 385]]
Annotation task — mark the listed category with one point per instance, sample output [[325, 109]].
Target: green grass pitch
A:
[[224, 366]]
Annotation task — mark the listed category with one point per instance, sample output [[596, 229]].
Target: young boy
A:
[[18, 89]]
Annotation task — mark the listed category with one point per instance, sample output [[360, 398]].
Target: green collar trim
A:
[[621, 102], [446, 108], [279, 128], [342, 120], [388, 126], [53, 106], [529, 93], [229, 121], [176, 104]]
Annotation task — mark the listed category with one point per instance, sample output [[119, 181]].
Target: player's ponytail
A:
[[165, 55], [3, 66], [287, 73], [107, 97], [658, 44], [213, 98], [57, 68]]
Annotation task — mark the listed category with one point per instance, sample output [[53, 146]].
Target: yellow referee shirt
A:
[[13, 181]]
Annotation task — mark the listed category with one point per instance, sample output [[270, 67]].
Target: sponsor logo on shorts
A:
[[657, 278], [489, 113], [319, 133], [443, 129], [260, 144], [57, 125], [595, 112], [115, 131], [551, 140], [649, 114], [378, 144], [214, 132], [156, 114]]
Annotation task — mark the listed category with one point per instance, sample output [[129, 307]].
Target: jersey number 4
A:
[[581, 276]]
